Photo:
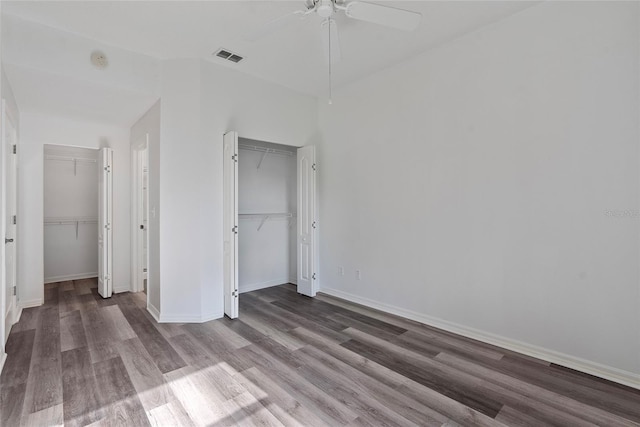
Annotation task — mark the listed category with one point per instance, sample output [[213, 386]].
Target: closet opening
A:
[[269, 217], [77, 219]]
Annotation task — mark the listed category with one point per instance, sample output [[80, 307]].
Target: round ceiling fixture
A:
[[99, 59]]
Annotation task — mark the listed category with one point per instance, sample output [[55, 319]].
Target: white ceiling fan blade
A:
[[331, 40], [383, 15], [274, 25]]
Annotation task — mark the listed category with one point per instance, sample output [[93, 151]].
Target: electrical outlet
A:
[[341, 271], [358, 275]]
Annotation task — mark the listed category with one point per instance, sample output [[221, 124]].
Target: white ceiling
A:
[[292, 57]]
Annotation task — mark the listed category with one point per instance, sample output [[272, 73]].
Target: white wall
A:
[[266, 257], [200, 102], [150, 124], [37, 130], [70, 193], [491, 186]]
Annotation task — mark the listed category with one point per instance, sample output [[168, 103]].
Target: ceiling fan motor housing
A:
[[325, 8]]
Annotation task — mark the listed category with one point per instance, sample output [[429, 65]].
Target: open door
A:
[[230, 223], [105, 221], [307, 223], [10, 309]]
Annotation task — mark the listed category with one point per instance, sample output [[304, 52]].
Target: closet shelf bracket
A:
[[264, 154]]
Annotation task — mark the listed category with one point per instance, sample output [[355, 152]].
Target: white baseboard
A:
[[19, 315], [293, 280], [179, 318], [120, 290], [79, 276], [3, 358], [189, 319], [30, 303], [262, 285], [154, 312], [599, 370]]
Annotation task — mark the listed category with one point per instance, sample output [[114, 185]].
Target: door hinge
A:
[[15, 149], [235, 158], [234, 230], [108, 169], [313, 166], [234, 294], [107, 226], [14, 291], [314, 276], [15, 219], [313, 224]]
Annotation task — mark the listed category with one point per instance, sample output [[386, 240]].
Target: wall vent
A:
[[230, 56]]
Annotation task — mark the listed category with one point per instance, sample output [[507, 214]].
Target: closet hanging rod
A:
[[265, 150]]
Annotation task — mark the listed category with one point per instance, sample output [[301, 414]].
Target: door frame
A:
[[139, 156]]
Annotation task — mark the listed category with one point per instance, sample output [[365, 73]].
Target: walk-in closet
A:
[[70, 213], [267, 202]]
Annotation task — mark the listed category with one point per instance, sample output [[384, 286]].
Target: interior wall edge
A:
[[31, 303], [589, 367], [155, 313]]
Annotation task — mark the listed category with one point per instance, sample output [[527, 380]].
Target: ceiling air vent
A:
[[230, 56]]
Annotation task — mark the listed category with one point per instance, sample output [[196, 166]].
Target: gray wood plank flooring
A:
[[288, 360]]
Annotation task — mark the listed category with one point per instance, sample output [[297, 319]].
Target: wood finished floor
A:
[[288, 360]]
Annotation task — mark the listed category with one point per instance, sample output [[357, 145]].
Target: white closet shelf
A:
[[75, 161], [266, 216], [271, 215], [69, 159], [70, 220], [264, 151]]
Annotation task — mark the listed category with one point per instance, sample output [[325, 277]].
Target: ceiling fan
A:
[[327, 9]]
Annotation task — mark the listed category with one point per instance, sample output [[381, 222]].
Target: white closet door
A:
[[230, 223], [105, 221], [307, 221], [10, 191]]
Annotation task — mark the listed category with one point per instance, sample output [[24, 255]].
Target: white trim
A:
[[19, 315], [3, 358], [177, 318], [255, 286], [154, 312], [79, 276], [121, 290], [30, 303], [603, 371], [293, 280]]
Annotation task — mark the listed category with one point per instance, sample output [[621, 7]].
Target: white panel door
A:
[[307, 223], [105, 221], [230, 223], [10, 203]]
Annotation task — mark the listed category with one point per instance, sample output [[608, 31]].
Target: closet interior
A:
[[267, 203], [70, 213]]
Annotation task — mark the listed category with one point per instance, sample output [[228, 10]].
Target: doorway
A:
[[269, 218], [77, 217]]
